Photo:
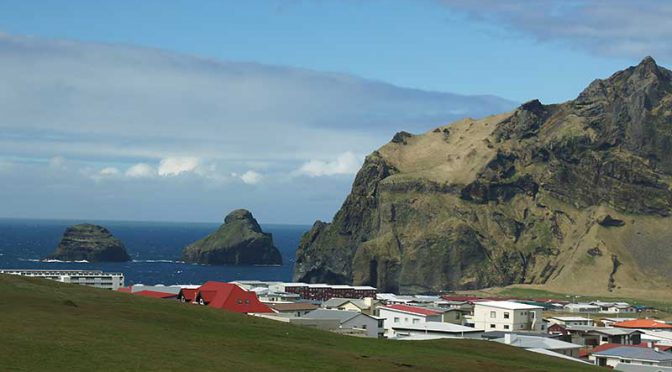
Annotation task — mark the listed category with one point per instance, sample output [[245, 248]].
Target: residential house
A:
[[614, 307], [507, 316], [649, 324], [631, 355], [594, 336], [364, 324], [433, 330], [397, 315], [609, 322], [581, 308], [536, 342], [366, 305], [569, 321], [229, 297], [292, 309]]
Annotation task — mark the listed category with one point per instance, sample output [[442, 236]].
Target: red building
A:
[[324, 292], [225, 296]]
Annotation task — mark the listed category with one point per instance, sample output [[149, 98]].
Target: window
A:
[[533, 314], [363, 326], [493, 314], [247, 301], [396, 319], [416, 321], [506, 315], [522, 326], [492, 326], [506, 326], [239, 301]]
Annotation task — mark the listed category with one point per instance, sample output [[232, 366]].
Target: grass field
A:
[[46, 325]]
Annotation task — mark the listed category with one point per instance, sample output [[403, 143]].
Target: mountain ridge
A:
[[514, 198]]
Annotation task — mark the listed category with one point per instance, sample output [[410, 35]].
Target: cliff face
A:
[[89, 242], [576, 196], [239, 241]]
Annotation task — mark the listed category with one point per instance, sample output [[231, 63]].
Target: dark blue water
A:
[[155, 248]]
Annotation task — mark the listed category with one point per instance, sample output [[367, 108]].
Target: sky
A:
[[183, 111]]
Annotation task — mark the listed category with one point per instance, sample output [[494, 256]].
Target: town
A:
[[617, 335]]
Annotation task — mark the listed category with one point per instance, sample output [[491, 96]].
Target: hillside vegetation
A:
[[52, 326], [576, 197]]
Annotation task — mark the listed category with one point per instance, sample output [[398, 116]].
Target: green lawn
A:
[[46, 325]]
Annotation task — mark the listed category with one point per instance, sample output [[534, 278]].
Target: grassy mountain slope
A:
[[52, 326], [574, 196]]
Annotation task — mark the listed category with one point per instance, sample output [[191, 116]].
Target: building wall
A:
[[490, 318], [454, 317], [393, 317], [373, 327]]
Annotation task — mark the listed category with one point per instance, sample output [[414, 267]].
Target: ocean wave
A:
[[157, 261], [48, 260]]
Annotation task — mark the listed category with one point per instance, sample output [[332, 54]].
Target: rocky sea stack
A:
[[514, 198], [239, 241], [92, 243]]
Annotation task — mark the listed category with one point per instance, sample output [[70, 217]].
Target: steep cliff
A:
[[89, 242], [575, 196], [239, 241]]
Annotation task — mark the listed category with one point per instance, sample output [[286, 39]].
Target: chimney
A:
[[508, 338]]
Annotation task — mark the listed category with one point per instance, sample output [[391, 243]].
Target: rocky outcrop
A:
[[239, 241], [512, 198], [92, 243]]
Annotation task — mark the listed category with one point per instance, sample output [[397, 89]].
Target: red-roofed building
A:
[[229, 297], [155, 294], [643, 324], [414, 310], [187, 294]]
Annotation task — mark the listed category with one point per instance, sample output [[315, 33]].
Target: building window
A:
[[506, 326], [416, 321], [506, 315], [522, 326], [364, 326], [492, 326], [396, 320], [493, 314]]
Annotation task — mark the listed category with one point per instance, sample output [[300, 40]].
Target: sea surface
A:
[[155, 249]]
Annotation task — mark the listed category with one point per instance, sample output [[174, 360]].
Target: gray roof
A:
[[342, 315], [529, 342], [336, 302], [638, 353], [603, 330], [491, 335], [626, 367]]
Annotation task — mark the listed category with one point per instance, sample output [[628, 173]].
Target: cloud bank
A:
[[621, 28], [118, 123]]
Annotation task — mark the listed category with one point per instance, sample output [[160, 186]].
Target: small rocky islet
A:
[[91, 243], [239, 241]]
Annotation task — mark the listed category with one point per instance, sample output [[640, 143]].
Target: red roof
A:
[[414, 310], [230, 297], [125, 289], [188, 293], [155, 294], [643, 323]]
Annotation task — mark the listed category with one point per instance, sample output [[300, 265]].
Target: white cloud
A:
[[345, 163], [109, 171], [622, 28], [177, 165], [251, 177], [140, 170]]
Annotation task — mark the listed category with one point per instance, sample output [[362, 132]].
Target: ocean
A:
[[155, 249]]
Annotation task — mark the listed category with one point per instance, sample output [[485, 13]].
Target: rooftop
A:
[[571, 318], [528, 342], [638, 353], [438, 327], [643, 323], [509, 305], [413, 310]]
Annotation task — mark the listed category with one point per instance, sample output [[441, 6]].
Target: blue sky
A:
[[176, 110]]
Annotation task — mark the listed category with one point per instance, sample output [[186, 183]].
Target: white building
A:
[[433, 330], [614, 307], [582, 308], [406, 315], [356, 322], [536, 342], [570, 321], [507, 316], [91, 278]]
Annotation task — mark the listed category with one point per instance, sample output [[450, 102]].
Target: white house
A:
[[536, 342], [432, 330], [570, 321], [507, 316], [614, 307], [582, 308], [398, 315]]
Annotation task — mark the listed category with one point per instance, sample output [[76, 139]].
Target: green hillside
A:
[[46, 325]]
